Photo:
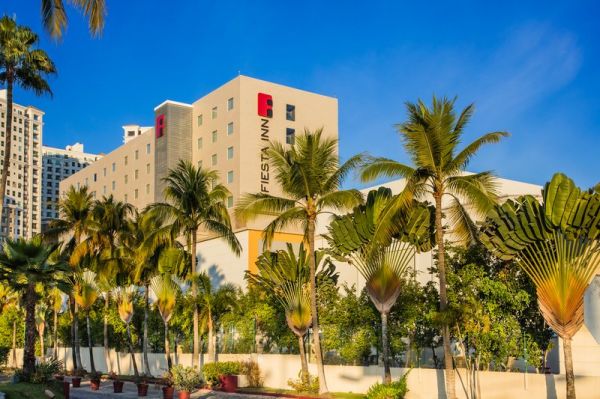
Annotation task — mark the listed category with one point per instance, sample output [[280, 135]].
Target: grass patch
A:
[[26, 390], [333, 395]]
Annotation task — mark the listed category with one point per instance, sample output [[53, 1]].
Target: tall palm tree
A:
[[195, 200], [557, 244], [285, 276], [86, 293], [25, 265], [72, 227], [54, 16], [384, 266], [125, 297], [21, 65], [56, 303], [166, 291], [309, 176], [9, 299], [40, 325], [431, 137]]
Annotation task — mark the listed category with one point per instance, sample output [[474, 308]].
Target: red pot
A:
[[59, 377], [229, 383], [184, 395], [95, 384], [168, 392], [76, 381], [142, 389], [117, 386], [66, 389]]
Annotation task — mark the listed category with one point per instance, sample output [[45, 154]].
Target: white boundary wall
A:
[[423, 383]]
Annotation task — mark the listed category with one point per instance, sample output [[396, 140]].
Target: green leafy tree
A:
[[9, 304], [431, 137], [310, 176], [195, 200], [384, 265], [54, 15], [22, 65], [166, 292], [557, 244], [24, 265], [56, 303]]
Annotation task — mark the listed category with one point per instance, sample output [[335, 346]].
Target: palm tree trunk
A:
[[90, 344], [73, 351], [439, 238], [387, 374], [145, 343], [14, 344], [303, 361], [167, 347], [130, 344], [42, 349], [7, 139], [192, 251], [313, 308], [211, 340], [76, 337], [569, 374], [30, 332], [55, 334], [105, 332]]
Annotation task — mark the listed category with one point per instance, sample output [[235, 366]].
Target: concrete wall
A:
[[423, 383]]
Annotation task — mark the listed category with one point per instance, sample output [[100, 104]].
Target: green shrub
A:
[[212, 371], [185, 378], [4, 351], [44, 372], [393, 390], [252, 372], [306, 383]]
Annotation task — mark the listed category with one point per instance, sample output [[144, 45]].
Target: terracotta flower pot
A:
[[142, 389], [76, 381], [95, 384], [117, 386], [184, 395], [66, 389], [229, 383], [59, 377], [168, 392]]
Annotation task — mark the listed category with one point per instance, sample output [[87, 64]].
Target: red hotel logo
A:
[[159, 126], [265, 105]]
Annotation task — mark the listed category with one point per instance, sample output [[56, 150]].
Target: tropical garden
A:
[[507, 277]]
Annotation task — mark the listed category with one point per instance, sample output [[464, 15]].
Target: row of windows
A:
[[214, 112]]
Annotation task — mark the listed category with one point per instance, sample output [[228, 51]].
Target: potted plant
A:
[[95, 381], [228, 376], [168, 390], [117, 384], [142, 387], [76, 380], [185, 380]]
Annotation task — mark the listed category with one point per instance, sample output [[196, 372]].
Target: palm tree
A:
[[309, 176], [125, 297], [54, 16], [195, 200], [285, 276], [213, 302], [56, 302], [9, 299], [25, 265], [431, 137], [21, 65], [73, 226], [166, 291], [384, 266], [85, 293], [40, 325], [557, 244]]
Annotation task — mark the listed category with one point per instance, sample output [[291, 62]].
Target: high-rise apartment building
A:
[[227, 130], [21, 216], [57, 165]]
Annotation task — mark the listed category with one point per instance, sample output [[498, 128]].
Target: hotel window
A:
[[200, 143], [114, 184], [214, 136], [114, 167], [290, 136], [200, 120], [135, 194], [104, 172], [137, 154], [230, 153], [290, 112], [136, 174], [214, 159], [199, 164], [147, 148], [125, 197], [147, 188], [126, 179], [230, 104], [230, 176], [95, 177], [126, 157], [230, 128], [103, 189], [230, 202], [147, 168]]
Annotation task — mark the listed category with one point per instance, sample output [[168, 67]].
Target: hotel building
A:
[[226, 130], [21, 213], [58, 164]]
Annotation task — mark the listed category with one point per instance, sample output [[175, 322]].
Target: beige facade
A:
[[21, 215]]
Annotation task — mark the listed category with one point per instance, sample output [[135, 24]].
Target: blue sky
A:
[[531, 68]]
